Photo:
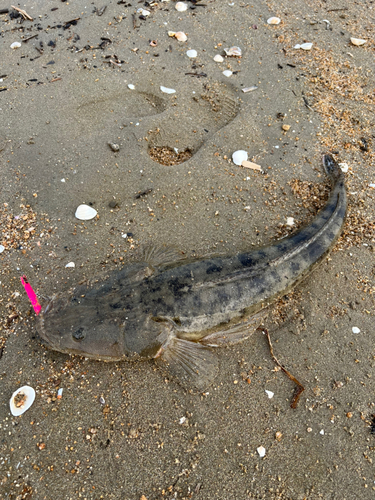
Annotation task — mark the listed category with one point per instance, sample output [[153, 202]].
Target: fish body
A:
[[175, 312]]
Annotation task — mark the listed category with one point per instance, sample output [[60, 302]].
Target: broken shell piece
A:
[[2, 248], [233, 52], [227, 72], [358, 41], [70, 264], [355, 329], [274, 20], [304, 46], [21, 400], [143, 12], [239, 156], [181, 6], [85, 212], [344, 167], [179, 35], [131, 86], [261, 451], [15, 45], [250, 164], [218, 58], [290, 221], [270, 394], [166, 90], [285, 127], [192, 53], [249, 89], [114, 147]]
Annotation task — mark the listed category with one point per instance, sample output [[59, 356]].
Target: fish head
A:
[[80, 327]]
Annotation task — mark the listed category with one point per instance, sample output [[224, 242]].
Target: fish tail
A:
[[331, 168]]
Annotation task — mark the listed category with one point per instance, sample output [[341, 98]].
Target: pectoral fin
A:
[[194, 365]]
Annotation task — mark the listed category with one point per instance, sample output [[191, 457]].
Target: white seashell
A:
[[355, 329], [290, 221], [15, 45], [270, 394], [322, 432], [131, 86], [304, 46], [274, 20], [233, 52], [70, 264], [143, 12], [227, 72], [358, 41], [166, 90], [2, 248], [344, 167], [179, 35], [84, 212], [218, 58], [261, 451], [192, 53], [249, 89], [181, 6], [370, 185], [239, 156], [21, 400]]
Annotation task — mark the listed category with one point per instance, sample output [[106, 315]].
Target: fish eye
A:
[[79, 335]]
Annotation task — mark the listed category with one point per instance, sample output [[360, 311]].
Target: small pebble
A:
[[371, 185], [261, 451], [285, 127], [143, 12], [322, 432], [355, 329]]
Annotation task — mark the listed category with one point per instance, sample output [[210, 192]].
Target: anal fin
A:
[[194, 365]]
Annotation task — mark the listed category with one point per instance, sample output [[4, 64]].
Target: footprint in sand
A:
[[176, 127]]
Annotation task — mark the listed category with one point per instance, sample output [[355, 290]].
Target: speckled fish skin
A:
[[147, 311]]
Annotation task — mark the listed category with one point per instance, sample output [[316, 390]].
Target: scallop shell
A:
[[274, 20], [239, 156], [358, 41], [180, 35], [181, 6], [192, 53], [166, 90], [84, 212], [21, 400], [233, 52]]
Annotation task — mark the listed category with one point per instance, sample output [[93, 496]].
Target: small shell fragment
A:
[[2, 248], [233, 52], [285, 127], [59, 393], [274, 20], [355, 329], [344, 167], [70, 264], [358, 41], [249, 89], [227, 73], [250, 164], [239, 156], [270, 394], [218, 58], [181, 6], [15, 45], [290, 221], [85, 212], [166, 90], [131, 86], [143, 12], [21, 400], [114, 147], [261, 451], [192, 53], [304, 46], [179, 35]]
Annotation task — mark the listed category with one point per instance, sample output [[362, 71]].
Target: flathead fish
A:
[[177, 312]]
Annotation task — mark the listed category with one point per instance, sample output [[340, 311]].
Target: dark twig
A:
[[299, 390]]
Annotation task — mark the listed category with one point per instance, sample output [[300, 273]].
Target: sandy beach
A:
[[103, 105]]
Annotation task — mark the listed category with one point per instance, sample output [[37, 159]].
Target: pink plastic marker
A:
[[31, 294]]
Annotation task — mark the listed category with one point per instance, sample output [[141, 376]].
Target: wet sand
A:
[[129, 431]]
